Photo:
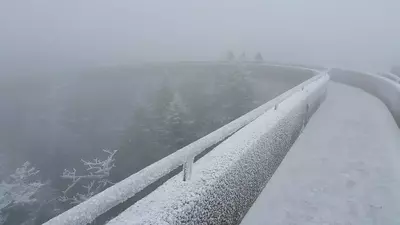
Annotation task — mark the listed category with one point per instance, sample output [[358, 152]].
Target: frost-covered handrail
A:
[[89, 210], [391, 77]]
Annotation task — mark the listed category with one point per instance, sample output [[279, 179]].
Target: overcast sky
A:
[[71, 33]]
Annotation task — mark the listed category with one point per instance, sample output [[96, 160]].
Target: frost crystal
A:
[[97, 172]]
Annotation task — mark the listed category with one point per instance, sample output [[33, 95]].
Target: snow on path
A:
[[343, 169]]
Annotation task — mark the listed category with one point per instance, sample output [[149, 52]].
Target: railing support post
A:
[[305, 119], [187, 169]]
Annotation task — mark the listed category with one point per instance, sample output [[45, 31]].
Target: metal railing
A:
[[97, 205]]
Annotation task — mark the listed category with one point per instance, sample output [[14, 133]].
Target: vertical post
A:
[[305, 119], [187, 169]]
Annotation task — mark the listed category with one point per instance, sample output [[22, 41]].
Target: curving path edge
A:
[[343, 169]]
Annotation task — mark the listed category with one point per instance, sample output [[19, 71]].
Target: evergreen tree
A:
[[258, 57], [158, 129], [230, 56], [174, 120]]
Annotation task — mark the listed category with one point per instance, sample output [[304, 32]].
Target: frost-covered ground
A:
[[343, 169]]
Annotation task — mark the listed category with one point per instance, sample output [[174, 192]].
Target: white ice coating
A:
[[226, 181], [392, 77], [97, 205], [343, 169]]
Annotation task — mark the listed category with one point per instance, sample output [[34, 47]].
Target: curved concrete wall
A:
[[386, 90], [226, 181]]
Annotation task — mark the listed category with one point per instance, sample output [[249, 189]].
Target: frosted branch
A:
[[97, 172], [101, 167], [19, 188]]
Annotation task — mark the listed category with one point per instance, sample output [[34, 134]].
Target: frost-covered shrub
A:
[[94, 180], [18, 189]]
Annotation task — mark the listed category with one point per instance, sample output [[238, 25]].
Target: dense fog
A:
[[94, 91], [51, 34], [144, 112]]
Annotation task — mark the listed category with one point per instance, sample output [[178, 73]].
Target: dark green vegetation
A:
[[146, 112]]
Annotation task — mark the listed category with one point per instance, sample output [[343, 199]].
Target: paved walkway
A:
[[343, 169]]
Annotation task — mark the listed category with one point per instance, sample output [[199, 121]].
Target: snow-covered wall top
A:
[[384, 89], [226, 181]]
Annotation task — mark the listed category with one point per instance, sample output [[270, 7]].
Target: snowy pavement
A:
[[343, 169]]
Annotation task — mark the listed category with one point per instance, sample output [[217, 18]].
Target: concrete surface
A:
[[343, 169]]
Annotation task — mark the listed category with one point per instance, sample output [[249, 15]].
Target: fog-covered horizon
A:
[[50, 34]]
